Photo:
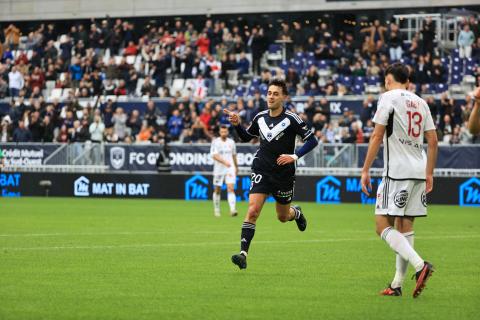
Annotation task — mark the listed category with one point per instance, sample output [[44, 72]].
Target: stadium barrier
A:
[[196, 157], [322, 189]]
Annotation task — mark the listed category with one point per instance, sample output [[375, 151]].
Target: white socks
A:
[[216, 204], [402, 264], [400, 245], [232, 200]]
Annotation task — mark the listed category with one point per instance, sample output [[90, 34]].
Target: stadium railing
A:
[[339, 159]]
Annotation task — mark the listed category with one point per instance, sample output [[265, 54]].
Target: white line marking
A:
[[201, 244]]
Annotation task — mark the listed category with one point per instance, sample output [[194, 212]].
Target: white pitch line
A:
[[201, 244], [126, 233]]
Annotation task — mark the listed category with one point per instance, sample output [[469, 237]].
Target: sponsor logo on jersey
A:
[[401, 198]]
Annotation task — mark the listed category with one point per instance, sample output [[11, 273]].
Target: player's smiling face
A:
[[275, 97]]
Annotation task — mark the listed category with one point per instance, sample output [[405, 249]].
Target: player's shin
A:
[[216, 203], [248, 231], [232, 200], [402, 264], [400, 245]]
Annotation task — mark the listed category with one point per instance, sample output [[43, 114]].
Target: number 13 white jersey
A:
[[406, 117]]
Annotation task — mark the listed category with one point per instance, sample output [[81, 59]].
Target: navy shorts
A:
[[282, 189]]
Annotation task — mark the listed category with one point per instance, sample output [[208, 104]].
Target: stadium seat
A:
[[373, 80], [456, 79], [441, 87], [456, 69], [322, 64], [359, 80], [256, 82], [263, 89], [240, 92], [358, 89]]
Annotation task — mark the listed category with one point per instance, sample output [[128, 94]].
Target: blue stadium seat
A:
[[240, 91], [358, 89], [256, 82], [274, 48], [455, 53], [458, 70], [263, 89], [359, 81], [441, 87], [373, 80], [322, 64], [456, 79]]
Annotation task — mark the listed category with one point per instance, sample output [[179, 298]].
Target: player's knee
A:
[[283, 218]]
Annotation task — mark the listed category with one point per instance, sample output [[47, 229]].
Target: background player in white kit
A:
[[402, 121], [224, 154]]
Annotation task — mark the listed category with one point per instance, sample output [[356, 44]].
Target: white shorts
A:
[[229, 177], [401, 198]]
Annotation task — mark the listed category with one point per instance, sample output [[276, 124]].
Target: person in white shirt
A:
[[402, 121], [15, 82], [224, 154]]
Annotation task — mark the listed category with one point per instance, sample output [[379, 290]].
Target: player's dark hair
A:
[[279, 83], [399, 71], [223, 126]]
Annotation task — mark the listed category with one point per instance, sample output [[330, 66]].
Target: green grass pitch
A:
[[149, 259]]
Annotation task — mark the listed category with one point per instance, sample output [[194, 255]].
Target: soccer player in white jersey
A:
[[224, 154], [402, 121]]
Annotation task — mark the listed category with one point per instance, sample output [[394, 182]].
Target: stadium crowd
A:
[[118, 58]]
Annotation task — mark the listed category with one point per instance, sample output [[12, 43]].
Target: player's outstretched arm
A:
[[474, 120], [234, 119], [432, 149], [373, 147]]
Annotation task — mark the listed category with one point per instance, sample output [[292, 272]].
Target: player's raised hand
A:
[[366, 183], [233, 117]]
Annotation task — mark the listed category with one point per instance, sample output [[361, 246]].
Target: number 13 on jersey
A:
[[414, 124]]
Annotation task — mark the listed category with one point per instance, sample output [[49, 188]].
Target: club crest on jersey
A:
[[424, 199], [401, 198], [270, 134]]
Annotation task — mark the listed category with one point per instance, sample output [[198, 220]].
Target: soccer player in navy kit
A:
[[273, 167]]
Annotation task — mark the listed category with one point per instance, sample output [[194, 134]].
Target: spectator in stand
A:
[[428, 36], [21, 133], [134, 123], [120, 128], [12, 36], [438, 71], [15, 82], [395, 43], [97, 129], [175, 126], [466, 38]]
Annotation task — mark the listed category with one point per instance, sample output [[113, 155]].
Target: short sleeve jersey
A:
[[277, 137], [226, 149], [406, 117]]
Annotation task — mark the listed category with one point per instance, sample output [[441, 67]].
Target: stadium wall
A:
[[320, 189], [15, 10]]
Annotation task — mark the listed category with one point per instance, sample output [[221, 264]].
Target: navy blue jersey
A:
[[277, 136]]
